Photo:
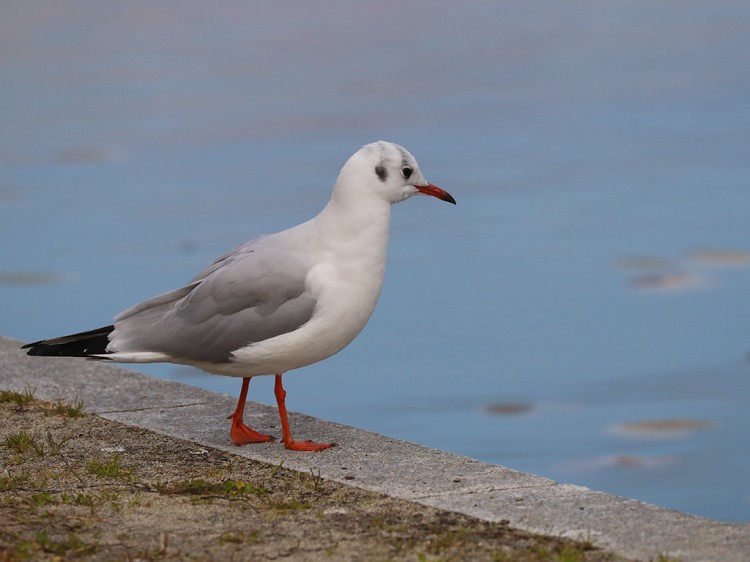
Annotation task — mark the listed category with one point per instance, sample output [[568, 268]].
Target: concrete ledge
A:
[[399, 469]]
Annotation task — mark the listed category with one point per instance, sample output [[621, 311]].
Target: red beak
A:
[[435, 191]]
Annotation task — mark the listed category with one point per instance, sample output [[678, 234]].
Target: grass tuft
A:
[[71, 547], [61, 408], [285, 507], [21, 399], [108, 468], [21, 442], [571, 553], [43, 498], [239, 537]]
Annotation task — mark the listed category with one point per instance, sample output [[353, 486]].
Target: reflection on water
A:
[[719, 257], [660, 429], [619, 462], [593, 150], [645, 263], [682, 273], [28, 278], [509, 408], [669, 281]]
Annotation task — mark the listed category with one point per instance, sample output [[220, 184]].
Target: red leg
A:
[[290, 443], [240, 433]]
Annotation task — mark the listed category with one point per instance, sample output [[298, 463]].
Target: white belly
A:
[[345, 304]]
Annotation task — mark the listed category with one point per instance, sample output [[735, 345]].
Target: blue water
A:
[[595, 273]]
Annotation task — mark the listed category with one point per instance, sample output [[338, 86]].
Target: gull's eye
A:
[[406, 172]]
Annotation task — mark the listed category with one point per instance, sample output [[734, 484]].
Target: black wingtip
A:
[[82, 344]]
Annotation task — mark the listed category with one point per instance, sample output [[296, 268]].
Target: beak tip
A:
[[435, 191]]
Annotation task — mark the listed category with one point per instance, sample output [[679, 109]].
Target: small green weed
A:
[[71, 547], [61, 408], [276, 469], [19, 398], [15, 481], [311, 482], [43, 498], [79, 499], [239, 537], [109, 468], [21, 442], [106, 496], [290, 506], [238, 488], [568, 553], [571, 553], [135, 500], [448, 539]]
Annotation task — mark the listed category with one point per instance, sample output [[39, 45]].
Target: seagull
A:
[[279, 302]]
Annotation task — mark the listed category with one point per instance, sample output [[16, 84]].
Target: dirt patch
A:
[[76, 486]]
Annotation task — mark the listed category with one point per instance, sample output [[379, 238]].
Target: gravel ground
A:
[[76, 486]]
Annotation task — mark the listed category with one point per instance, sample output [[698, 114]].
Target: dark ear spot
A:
[[381, 172]]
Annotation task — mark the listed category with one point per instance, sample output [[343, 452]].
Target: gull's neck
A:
[[352, 230], [354, 221]]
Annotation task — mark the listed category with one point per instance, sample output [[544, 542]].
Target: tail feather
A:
[[83, 344]]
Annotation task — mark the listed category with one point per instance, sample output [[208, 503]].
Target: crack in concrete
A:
[[482, 490], [151, 408]]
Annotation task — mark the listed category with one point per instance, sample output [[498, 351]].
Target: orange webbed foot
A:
[[241, 434], [307, 446]]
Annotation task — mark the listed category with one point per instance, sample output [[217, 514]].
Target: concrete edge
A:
[[374, 462]]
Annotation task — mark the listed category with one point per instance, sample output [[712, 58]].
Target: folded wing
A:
[[247, 296]]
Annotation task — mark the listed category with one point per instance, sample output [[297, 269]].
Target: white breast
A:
[[346, 282]]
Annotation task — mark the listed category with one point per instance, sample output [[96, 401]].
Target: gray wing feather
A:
[[247, 296]]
